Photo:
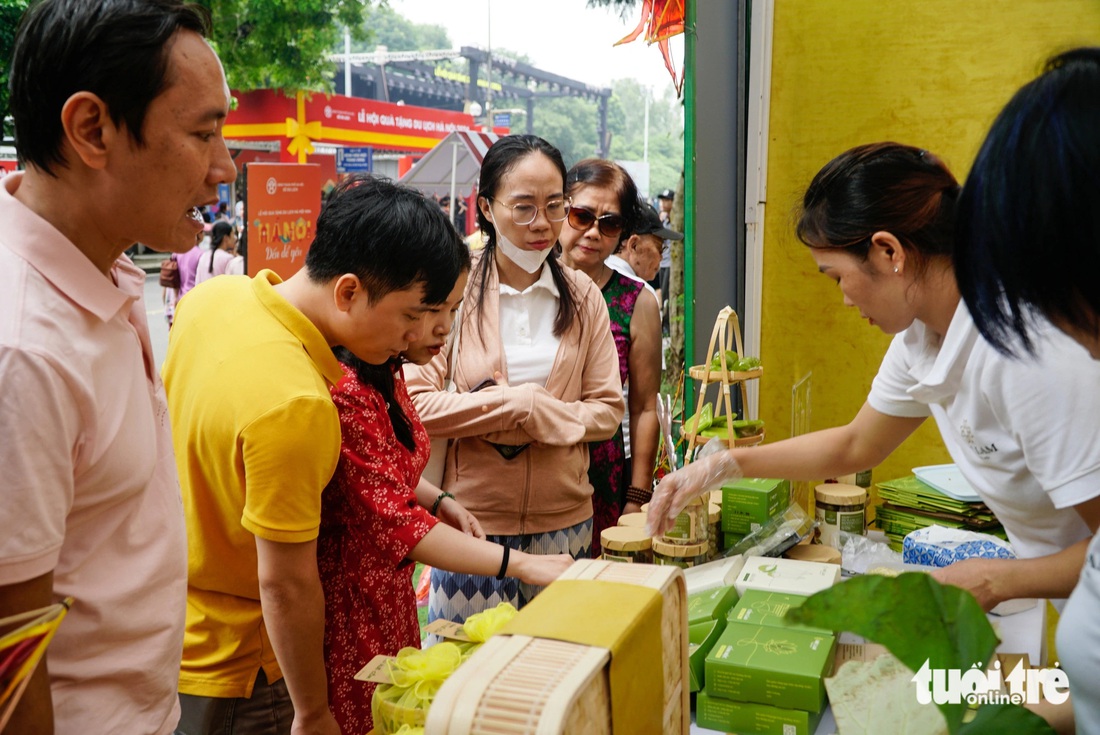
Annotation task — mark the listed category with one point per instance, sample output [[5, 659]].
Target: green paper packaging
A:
[[762, 607], [751, 502], [710, 604], [782, 667], [701, 639], [761, 719]]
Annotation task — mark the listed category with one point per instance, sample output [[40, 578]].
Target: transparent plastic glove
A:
[[677, 488]]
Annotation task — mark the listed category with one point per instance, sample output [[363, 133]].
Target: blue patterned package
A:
[[936, 546]]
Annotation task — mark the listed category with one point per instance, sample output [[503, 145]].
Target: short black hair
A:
[[390, 237], [1029, 216], [115, 49]]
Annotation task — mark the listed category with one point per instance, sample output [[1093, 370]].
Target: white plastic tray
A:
[[948, 480]]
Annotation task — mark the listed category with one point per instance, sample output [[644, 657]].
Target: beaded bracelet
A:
[[435, 505], [639, 495]]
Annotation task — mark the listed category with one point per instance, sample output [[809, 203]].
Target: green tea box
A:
[[751, 502], [712, 604], [762, 607], [764, 664], [701, 639], [726, 715], [790, 576]]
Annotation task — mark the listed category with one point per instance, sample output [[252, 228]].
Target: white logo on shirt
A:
[[983, 451]]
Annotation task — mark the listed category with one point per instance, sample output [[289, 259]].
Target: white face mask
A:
[[528, 260]]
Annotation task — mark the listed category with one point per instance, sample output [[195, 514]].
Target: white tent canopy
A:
[[454, 164]]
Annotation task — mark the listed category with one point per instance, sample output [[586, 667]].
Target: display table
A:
[[1024, 632]]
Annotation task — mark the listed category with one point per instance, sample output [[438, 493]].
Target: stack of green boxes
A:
[[749, 503], [763, 675]]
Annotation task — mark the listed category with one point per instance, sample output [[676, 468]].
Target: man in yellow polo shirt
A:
[[257, 438]]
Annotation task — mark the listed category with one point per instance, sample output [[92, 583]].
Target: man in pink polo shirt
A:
[[118, 108]]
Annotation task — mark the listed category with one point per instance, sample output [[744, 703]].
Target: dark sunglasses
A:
[[610, 225]]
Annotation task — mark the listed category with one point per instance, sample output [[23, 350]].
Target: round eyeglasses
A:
[[610, 225], [524, 213]]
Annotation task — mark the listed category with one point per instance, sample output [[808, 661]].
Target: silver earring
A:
[[895, 269]]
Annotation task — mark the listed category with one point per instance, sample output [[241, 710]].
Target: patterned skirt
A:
[[456, 597]]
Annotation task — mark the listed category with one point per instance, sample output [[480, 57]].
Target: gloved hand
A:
[[677, 488]]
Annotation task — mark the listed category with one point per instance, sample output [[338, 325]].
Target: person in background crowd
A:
[[535, 379], [106, 98], [378, 516], [665, 200], [1029, 245], [189, 262], [603, 214], [639, 256], [879, 220], [255, 454], [236, 265], [216, 260]]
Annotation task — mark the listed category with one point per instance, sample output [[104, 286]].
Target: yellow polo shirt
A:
[[257, 438]]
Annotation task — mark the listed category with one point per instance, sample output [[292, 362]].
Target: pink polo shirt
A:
[[88, 486]]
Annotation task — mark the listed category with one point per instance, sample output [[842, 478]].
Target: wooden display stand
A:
[[725, 336]]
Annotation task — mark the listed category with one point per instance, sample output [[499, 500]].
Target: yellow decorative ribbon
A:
[[416, 675], [482, 626], [301, 132]]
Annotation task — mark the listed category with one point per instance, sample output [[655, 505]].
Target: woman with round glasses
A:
[[534, 378], [604, 208]]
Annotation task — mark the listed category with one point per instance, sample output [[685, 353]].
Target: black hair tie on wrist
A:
[[504, 562]]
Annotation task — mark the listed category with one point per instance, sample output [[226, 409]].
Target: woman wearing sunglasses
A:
[[604, 208], [534, 376]]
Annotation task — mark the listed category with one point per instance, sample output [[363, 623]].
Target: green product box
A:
[[725, 715], [770, 665], [769, 608], [710, 604], [751, 502], [701, 638]]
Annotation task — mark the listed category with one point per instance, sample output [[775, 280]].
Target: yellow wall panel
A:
[[932, 73]]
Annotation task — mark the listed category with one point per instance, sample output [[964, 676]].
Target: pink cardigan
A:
[[545, 488]]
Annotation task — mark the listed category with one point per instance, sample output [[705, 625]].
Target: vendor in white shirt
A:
[[1029, 240], [879, 221]]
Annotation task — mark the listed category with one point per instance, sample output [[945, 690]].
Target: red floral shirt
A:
[[370, 521]]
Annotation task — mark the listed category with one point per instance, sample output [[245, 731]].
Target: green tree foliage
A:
[[10, 12], [282, 45]]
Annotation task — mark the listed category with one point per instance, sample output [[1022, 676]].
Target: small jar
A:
[[690, 527], [714, 529], [839, 508], [626, 544], [634, 520], [679, 555]]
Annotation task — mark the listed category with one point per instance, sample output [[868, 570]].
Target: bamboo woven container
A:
[[519, 685]]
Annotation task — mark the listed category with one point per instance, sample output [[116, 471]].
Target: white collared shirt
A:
[[527, 329], [1022, 431]]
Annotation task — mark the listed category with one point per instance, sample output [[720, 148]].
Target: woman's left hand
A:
[[455, 515]]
